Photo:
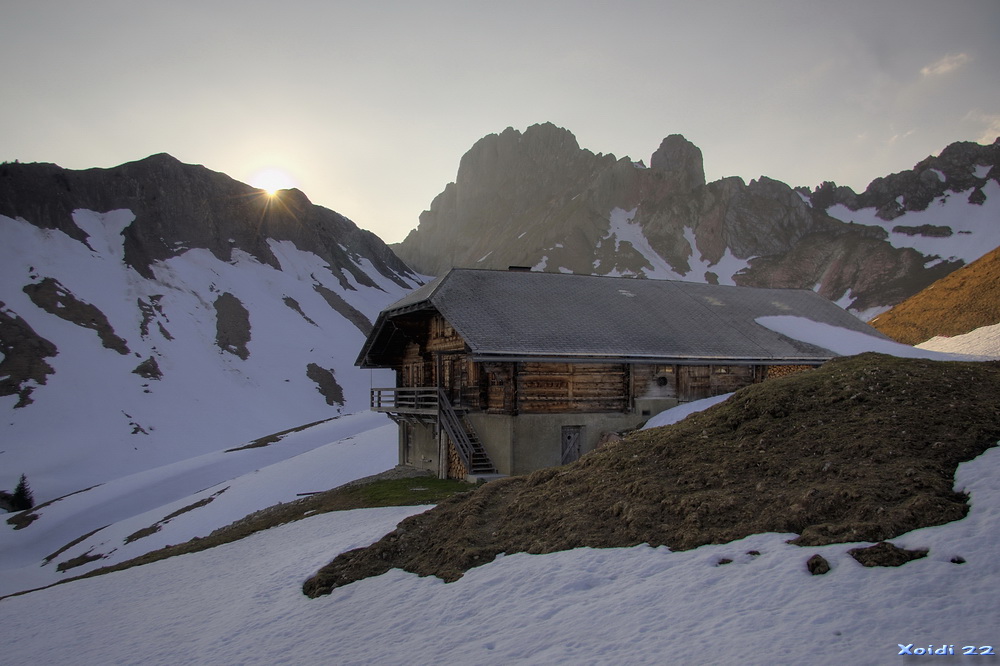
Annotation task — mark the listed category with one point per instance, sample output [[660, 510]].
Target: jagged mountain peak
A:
[[537, 199], [963, 166], [678, 155]]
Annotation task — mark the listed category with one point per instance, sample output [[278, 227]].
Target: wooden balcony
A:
[[421, 400]]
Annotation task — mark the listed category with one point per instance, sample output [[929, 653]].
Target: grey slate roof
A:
[[510, 314]]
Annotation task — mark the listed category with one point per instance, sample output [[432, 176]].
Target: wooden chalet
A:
[[506, 372]]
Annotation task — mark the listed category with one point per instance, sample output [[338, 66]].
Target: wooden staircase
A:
[[463, 436], [431, 406]]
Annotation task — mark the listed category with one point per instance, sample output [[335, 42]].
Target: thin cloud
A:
[[990, 122], [900, 136], [945, 65]]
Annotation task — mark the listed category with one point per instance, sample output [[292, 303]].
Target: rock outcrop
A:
[[682, 160]]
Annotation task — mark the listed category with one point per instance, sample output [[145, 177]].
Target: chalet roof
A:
[[522, 315]]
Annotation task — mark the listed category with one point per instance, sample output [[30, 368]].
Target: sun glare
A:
[[271, 180]]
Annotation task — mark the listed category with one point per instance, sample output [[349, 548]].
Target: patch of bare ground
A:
[[863, 449], [155, 527], [278, 436]]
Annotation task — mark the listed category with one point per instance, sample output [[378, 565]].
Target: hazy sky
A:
[[369, 105]]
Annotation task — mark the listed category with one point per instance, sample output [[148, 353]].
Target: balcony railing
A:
[[405, 400]]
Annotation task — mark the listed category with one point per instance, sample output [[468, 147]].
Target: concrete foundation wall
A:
[[521, 444]]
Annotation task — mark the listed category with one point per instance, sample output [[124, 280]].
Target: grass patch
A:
[[956, 304], [404, 492], [78, 561], [155, 527], [72, 543], [267, 440]]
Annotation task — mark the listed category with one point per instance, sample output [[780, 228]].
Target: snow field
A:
[[241, 603], [207, 399], [318, 458]]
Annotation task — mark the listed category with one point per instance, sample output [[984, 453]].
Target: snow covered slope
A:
[[97, 416], [241, 603], [187, 315], [750, 601], [173, 503]]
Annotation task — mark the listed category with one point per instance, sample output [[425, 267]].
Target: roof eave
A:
[[494, 357]]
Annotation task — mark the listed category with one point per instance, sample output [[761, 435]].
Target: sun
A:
[[272, 179]]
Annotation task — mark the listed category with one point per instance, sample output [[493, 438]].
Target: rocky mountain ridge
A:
[[180, 206], [537, 199], [158, 310]]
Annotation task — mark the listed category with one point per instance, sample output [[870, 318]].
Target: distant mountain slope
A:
[[537, 199], [962, 302], [157, 310]]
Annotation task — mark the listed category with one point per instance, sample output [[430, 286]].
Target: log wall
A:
[[572, 387]]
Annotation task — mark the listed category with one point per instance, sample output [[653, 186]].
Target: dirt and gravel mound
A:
[[863, 449]]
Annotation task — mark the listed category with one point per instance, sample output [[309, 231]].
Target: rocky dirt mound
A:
[[963, 301], [863, 449]]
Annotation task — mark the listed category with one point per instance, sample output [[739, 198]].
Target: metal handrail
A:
[[456, 431]]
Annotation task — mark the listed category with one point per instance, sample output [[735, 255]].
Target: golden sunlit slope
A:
[[959, 303]]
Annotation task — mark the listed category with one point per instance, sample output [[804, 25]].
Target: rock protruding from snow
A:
[[23, 365], [232, 326], [56, 299], [963, 167]]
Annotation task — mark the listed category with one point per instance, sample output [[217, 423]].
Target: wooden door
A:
[[572, 440]]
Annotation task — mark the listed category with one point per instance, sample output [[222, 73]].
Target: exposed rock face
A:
[[537, 199], [326, 384], [232, 326], [55, 299], [345, 309], [506, 181]]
